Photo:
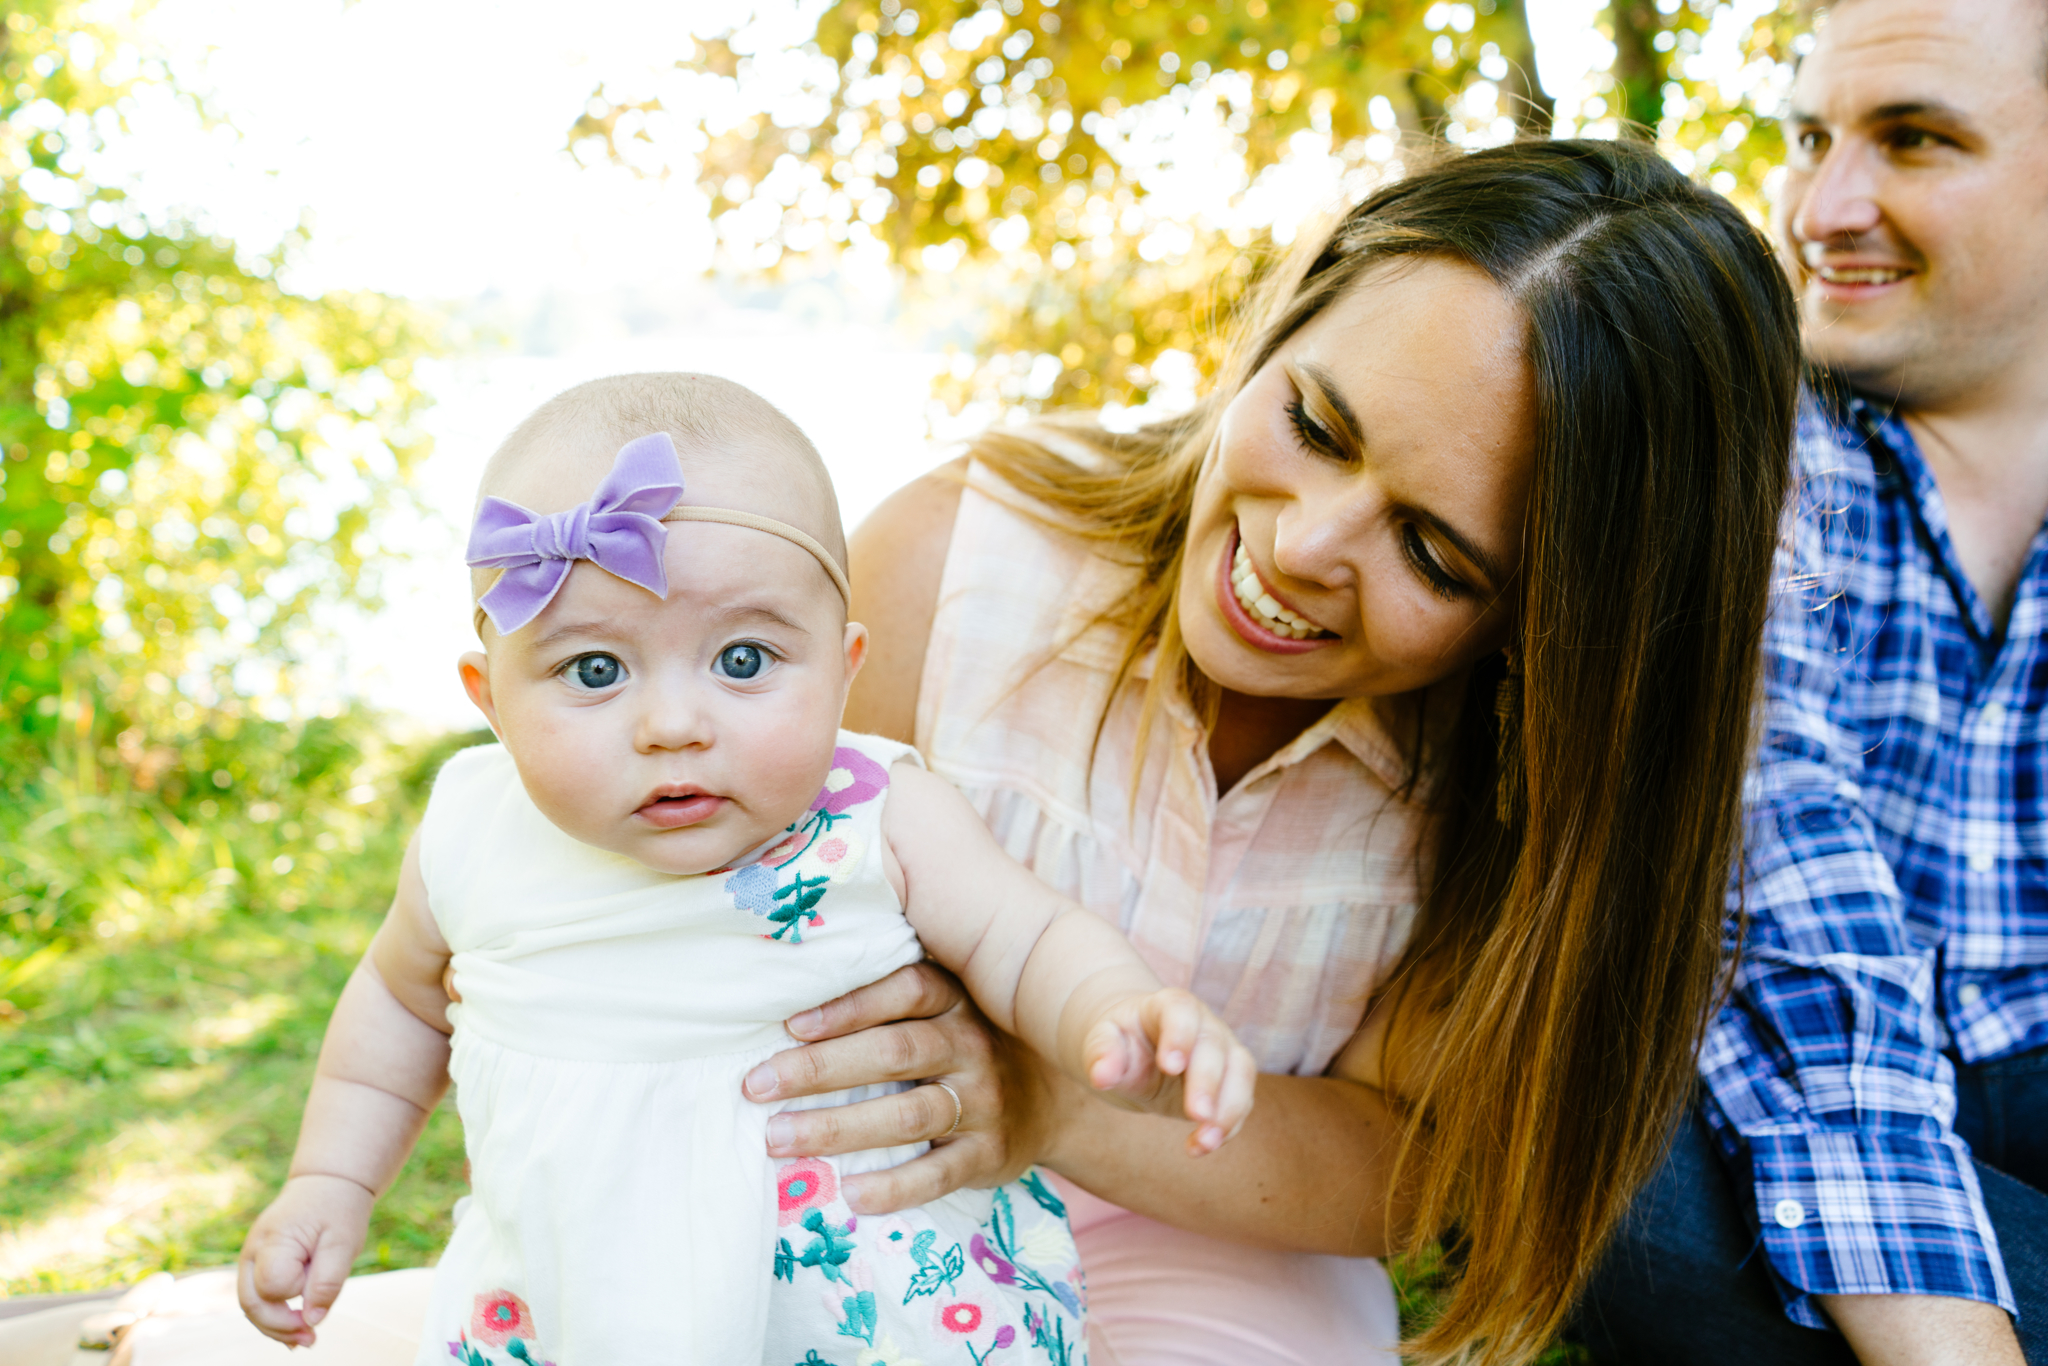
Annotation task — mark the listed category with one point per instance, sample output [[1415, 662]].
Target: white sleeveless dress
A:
[[623, 1205]]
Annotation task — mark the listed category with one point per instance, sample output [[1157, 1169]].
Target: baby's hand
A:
[[1168, 1053], [304, 1244]]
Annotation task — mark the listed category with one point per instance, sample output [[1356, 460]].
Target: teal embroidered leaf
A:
[[1042, 1193], [811, 1358], [785, 1261], [830, 1249], [921, 1245], [935, 1272], [860, 1317]]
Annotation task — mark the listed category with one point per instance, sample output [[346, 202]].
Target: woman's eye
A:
[[741, 661], [1440, 583], [1311, 433], [596, 672]]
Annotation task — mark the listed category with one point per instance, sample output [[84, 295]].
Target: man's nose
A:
[[1838, 201]]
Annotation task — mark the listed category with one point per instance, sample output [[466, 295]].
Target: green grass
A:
[[162, 1001]]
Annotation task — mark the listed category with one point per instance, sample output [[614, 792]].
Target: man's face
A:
[[1915, 205]]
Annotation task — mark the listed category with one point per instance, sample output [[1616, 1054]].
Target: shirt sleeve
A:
[[1825, 1068]]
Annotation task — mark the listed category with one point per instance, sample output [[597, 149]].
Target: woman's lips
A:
[[673, 813], [1249, 628]]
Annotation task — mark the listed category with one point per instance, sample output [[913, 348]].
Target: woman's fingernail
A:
[[760, 1083], [781, 1129], [807, 1024], [313, 1317]]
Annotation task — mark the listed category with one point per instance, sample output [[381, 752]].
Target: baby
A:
[[673, 849]]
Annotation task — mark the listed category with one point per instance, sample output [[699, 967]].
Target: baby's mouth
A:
[[673, 806], [1265, 609]]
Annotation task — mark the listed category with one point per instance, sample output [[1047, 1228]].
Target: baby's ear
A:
[[475, 668], [856, 645]]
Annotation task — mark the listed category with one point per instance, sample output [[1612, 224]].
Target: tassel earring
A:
[[1507, 730]]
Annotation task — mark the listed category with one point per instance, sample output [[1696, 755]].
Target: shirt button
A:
[[1983, 861], [1970, 994], [1993, 715], [1789, 1214]]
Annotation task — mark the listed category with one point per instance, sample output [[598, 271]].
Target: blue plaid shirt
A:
[[1897, 882]]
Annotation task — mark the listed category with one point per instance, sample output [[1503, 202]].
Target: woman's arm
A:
[[898, 556], [1308, 1173]]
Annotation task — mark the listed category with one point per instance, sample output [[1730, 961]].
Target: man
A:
[[1872, 1141]]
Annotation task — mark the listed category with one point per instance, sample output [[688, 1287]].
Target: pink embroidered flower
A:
[[854, 779], [962, 1318], [803, 1185], [499, 1317], [893, 1237], [831, 850]]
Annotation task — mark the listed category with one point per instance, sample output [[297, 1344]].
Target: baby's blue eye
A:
[[596, 671], [739, 661]]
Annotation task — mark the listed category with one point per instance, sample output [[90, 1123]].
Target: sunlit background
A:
[[279, 274], [425, 144]]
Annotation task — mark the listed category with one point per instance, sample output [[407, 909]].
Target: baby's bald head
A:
[[737, 450]]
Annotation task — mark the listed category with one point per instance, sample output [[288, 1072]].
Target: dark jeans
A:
[[1685, 1281]]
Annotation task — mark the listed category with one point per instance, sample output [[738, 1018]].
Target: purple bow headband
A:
[[619, 530]]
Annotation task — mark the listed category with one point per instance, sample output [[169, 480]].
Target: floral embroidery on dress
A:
[[1009, 1294], [811, 854], [500, 1319], [802, 1185]]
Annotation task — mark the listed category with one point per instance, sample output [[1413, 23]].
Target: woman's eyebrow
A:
[[1326, 384]]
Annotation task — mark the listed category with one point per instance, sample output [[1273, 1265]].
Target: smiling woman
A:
[[1412, 667]]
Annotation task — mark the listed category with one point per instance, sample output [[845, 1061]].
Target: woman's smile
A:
[[1259, 615]]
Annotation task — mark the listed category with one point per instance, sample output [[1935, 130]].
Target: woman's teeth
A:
[[1264, 609]]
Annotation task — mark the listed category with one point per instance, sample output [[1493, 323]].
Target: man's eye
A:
[[1812, 142], [740, 661], [1912, 139], [596, 672]]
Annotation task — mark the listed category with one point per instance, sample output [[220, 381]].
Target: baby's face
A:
[[679, 732]]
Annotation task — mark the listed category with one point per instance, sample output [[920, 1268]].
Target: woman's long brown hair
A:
[[1546, 1015]]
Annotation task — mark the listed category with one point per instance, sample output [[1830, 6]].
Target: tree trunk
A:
[[1638, 67], [1524, 96]]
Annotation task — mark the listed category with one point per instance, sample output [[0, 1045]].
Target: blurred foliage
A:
[[192, 457], [151, 1081], [1081, 188]]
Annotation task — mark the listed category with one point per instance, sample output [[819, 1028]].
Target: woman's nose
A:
[[1316, 540]]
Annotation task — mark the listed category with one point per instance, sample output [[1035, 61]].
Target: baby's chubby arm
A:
[[1056, 975], [382, 1069]]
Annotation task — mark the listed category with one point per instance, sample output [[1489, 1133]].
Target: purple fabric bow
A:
[[619, 530]]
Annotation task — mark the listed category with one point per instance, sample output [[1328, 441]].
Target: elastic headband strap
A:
[[731, 517]]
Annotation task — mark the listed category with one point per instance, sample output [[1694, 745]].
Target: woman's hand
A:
[[917, 1024]]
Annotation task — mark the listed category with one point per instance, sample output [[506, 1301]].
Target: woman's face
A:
[[1369, 483]]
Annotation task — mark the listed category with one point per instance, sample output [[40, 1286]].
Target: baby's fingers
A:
[[265, 1278], [1109, 1057], [1174, 1020], [330, 1266]]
